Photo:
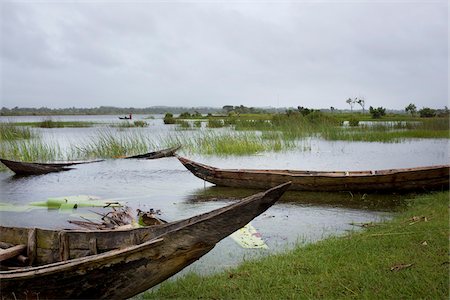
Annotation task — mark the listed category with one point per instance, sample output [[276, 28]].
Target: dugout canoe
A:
[[36, 168], [156, 154], [118, 264], [400, 180]]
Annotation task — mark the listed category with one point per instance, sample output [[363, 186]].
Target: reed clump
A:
[[111, 144], [32, 150], [392, 132], [49, 123], [126, 124], [183, 124], [9, 132], [223, 143], [215, 123]]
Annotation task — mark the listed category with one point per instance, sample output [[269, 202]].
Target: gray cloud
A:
[[212, 54]]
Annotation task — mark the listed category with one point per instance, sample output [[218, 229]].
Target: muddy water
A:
[[166, 185]]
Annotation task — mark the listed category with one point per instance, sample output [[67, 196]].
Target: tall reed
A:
[[8, 132], [108, 143]]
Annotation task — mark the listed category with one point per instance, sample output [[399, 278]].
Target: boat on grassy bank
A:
[[118, 263], [156, 154], [36, 168], [396, 180]]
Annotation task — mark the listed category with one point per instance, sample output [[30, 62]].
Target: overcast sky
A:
[[203, 53]]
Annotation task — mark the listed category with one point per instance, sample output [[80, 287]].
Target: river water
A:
[[166, 185]]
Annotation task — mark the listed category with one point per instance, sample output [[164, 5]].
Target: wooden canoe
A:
[[401, 180], [156, 154], [118, 264], [35, 168]]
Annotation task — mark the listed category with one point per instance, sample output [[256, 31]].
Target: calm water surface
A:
[[166, 185]]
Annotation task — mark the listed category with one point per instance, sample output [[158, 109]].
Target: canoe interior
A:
[[137, 260], [51, 245]]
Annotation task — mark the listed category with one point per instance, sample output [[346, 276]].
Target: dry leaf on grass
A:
[[400, 267]]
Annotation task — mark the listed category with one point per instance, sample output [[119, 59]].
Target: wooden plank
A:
[[64, 250], [11, 252], [32, 245], [4, 245], [93, 245]]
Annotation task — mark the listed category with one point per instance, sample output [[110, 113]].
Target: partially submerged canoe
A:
[[118, 264], [156, 154], [35, 168], [422, 178]]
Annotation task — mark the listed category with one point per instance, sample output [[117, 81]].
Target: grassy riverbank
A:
[[400, 259]]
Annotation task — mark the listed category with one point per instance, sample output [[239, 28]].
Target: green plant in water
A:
[[49, 123], [109, 143], [183, 124], [215, 123], [140, 123], [32, 150], [353, 122], [169, 119], [8, 132]]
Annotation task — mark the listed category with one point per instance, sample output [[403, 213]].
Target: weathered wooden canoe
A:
[[34, 168], [423, 178], [118, 264], [156, 154]]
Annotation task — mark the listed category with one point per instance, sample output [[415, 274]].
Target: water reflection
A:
[[345, 199]]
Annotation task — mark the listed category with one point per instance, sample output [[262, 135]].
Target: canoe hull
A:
[[163, 251], [26, 168], [401, 180], [23, 168], [156, 154]]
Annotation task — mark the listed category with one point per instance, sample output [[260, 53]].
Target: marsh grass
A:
[[395, 132], [223, 143], [49, 123], [361, 265], [9, 132], [32, 150], [215, 123], [126, 124], [183, 124], [111, 144]]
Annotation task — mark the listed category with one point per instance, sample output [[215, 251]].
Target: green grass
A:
[[215, 123], [9, 132], [32, 150], [182, 124], [227, 143], [110, 144], [437, 128], [235, 116], [126, 124], [355, 266], [57, 124]]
